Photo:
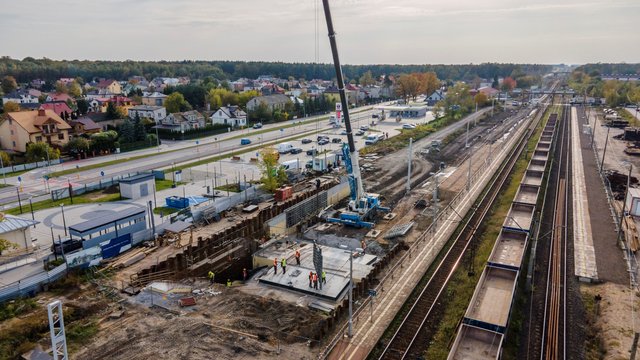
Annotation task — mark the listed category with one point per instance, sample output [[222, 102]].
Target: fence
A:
[[23, 167], [63, 193], [31, 285], [222, 204]]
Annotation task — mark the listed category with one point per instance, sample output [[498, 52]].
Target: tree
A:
[[78, 145], [407, 87], [175, 102], [367, 79], [139, 129], [83, 106], [104, 141], [6, 244], [244, 97], [127, 132], [495, 84], [6, 159], [74, 89], [480, 99], [11, 106], [61, 87], [428, 82], [508, 84], [38, 151], [115, 112], [261, 113], [9, 84], [273, 175]]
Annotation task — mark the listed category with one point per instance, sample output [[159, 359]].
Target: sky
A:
[[368, 31]]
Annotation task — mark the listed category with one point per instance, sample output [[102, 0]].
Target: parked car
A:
[[295, 150], [320, 137], [408, 126], [373, 138], [364, 127], [306, 141], [359, 133], [257, 125], [343, 132], [284, 148], [312, 152], [336, 140], [245, 141], [323, 141], [375, 116]]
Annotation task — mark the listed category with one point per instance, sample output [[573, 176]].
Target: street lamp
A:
[[157, 136], [350, 252], [4, 173], [64, 221]]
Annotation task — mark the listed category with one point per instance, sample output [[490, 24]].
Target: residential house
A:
[[156, 113], [315, 90], [436, 96], [37, 83], [229, 115], [66, 81], [59, 107], [332, 94], [488, 91], [296, 90], [20, 97], [270, 89], [60, 97], [21, 128], [153, 99], [122, 101], [17, 231], [373, 91], [277, 101], [98, 104], [183, 121], [109, 87], [84, 125]]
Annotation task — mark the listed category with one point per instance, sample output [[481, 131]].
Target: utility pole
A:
[[409, 166], [469, 173], [466, 141], [626, 194], [350, 293], [604, 152]]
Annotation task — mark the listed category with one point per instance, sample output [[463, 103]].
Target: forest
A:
[[50, 70]]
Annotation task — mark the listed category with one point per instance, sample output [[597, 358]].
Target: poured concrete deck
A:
[[519, 217], [475, 344], [527, 194], [492, 302], [532, 177], [540, 155], [509, 249]]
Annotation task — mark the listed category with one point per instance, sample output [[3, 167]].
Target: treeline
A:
[[606, 68], [50, 70]]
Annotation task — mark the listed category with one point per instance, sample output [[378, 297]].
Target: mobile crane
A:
[[362, 206]]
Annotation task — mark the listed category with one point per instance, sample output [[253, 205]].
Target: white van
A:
[[292, 164], [373, 138], [284, 147]]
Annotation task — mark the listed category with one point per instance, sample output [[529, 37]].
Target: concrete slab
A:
[[473, 343], [519, 217], [509, 249], [540, 155], [492, 299], [583, 250], [537, 165], [527, 194]]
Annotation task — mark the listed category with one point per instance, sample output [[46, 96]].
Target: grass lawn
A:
[[233, 187], [164, 210]]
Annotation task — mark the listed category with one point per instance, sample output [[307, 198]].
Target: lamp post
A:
[[350, 252], [157, 137], [64, 221], [4, 173]]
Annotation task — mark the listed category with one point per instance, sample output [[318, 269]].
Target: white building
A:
[[17, 231], [157, 113], [20, 97], [229, 115]]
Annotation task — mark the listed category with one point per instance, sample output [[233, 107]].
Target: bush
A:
[[193, 133]]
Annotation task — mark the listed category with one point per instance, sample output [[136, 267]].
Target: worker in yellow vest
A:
[[212, 277], [228, 282], [283, 263]]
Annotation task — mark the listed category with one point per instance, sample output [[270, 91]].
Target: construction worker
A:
[[324, 277], [283, 263], [275, 266], [297, 257], [310, 278], [245, 274], [315, 281], [212, 276], [229, 283]]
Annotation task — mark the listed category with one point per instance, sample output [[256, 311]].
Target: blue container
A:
[[177, 202]]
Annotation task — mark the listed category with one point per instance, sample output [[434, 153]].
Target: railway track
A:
[[553, 339], [416, 328]]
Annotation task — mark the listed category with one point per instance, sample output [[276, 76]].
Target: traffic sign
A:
[[46, 177], [197, 142], [101, 173], [19, 178], [373, 292]]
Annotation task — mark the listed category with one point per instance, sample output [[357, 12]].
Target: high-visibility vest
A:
[[211, 274], [228, 283], [275, 262], [283, 262], [315, 277], [297, 253], [324, 275]]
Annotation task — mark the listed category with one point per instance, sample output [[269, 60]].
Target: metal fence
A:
[[63, 193], [225, 203], [23, 167], [31, 285]]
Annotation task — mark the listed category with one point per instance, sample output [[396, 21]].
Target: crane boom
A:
[[356, 178]]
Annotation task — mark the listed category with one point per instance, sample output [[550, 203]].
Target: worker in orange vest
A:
[[315, 281], [310, 278], [245, 274], [275, 266], [297, 257]]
